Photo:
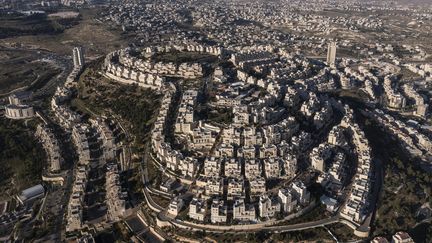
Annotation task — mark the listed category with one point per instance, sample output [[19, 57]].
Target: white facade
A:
[[19, 112]]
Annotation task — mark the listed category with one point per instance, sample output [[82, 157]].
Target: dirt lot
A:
[[23, 69], [20, 68], [97, 38]]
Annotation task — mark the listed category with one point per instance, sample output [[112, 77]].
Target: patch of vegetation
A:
[[297, 236], [342, 232], [44, 77], [317, 213], [161, 201], [406, 188], [135, 106], [97, 37], [353, 95], [220, 237], [22, 158], [315, 235], [154, 175], [138, 109], [118, 233], [18, 25], [21, 69], [131, 179], [215, 115]]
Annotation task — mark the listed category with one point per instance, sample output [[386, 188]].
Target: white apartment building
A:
[[287, 199], [268, 207], [243, 211], [218, 213], [301, 192], [257, 186], [197, 209], [272, 168], [175, 206], [253, 168], [212, 166], [232, 167], [214, 186], [235, 188]]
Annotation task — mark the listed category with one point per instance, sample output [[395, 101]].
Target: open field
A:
[[98, 38], [20, 67], [23, 69], [19, 25]]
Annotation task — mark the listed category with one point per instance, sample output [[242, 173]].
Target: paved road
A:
[[255, 228], [303, 226]]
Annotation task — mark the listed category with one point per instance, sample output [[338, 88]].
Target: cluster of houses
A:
[[75, 3], [96, 147], [399, 237], [411, 138], [198, 135], [174, 160], [419, 100], [185, 117], [279, 67], [288, 200], [335, 175], [95, 143], [369, 79], [203, 137], [123, 74], [66, 117], [80, 140], [115, 196], [394, 98], [424, 70], [75, 207], [70, 121], [244, 157], [186, 47], [51, 145], [261, 152], [217, 210], [330, 159], [248, 61], [124, 65], [358, 207], [106, 137], [242, 162], [398, 94]]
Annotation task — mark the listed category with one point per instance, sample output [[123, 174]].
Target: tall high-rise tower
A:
[[331, 53], [78, 57]]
